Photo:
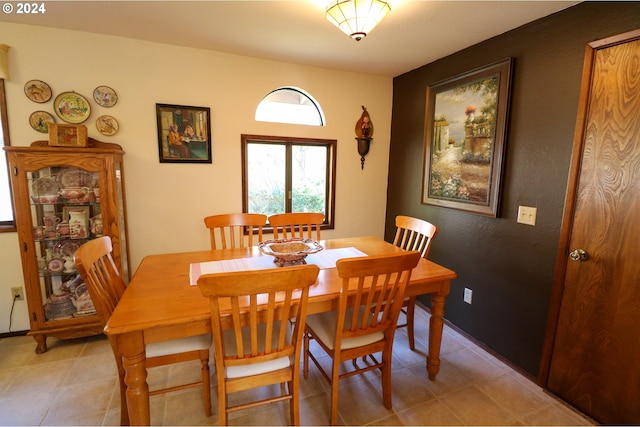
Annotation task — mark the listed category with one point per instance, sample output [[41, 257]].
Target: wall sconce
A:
[[364, 133], [4, 63]]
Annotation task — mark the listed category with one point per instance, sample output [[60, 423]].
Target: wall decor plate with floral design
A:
[[105, 96], [107, 125], [72, 107], [39, 120], [37, 91]]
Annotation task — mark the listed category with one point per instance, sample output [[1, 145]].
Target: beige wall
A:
[[166, 202]]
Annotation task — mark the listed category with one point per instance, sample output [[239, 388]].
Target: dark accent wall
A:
[[509, 266]]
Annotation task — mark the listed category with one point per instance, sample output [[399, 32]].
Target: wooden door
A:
[[593, 341]]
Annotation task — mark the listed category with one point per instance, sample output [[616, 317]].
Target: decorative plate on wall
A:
[[105, 96], [107, 125], [72, 107], [37, 91], [39, 120]]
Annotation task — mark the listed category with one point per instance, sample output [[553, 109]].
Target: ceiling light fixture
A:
[[357, 18]]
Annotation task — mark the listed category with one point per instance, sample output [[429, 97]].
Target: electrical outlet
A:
[[527, 215], [468, 295], [17, 294]]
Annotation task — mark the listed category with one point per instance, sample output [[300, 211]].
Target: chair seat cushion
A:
[[180, 345], [323, 327], [255, 368]]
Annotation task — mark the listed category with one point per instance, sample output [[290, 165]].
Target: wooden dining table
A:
[[160, 304]]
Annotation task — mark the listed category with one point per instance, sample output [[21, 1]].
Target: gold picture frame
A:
[[184, 133], [62, 135]]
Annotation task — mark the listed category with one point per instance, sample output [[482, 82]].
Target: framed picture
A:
[[465, 128], [61, 135], [184, 134]]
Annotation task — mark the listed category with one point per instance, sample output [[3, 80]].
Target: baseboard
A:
[[13, 334]]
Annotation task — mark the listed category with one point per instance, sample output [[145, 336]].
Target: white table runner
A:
[[323, 259]]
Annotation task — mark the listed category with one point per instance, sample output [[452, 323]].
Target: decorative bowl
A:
[[289, 251], [77, 194]]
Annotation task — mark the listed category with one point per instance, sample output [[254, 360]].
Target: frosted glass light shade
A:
[[357, 18]]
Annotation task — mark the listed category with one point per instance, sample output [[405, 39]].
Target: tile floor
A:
[[75, 383]]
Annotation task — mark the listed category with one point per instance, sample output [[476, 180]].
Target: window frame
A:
[[6, 226], [300, 92], [289, 142]]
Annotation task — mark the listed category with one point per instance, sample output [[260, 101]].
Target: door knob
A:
[[579, 255]]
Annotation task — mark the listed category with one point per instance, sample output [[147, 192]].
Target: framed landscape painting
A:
[[184, 134], [465, 129]]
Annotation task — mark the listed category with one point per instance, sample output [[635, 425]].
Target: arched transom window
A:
[[290, 105]]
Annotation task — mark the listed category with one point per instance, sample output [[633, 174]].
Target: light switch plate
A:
[[527, 215], [468, 295]]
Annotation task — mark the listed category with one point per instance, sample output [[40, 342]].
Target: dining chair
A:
[[293, 224], [413, 234], [364, 322], [233, 226], [254, 343], [105, 285]]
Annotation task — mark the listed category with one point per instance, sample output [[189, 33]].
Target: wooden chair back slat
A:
[[373, 292], [235, 230], [104, 282], [293, 225], [271, 302], [414, 234]]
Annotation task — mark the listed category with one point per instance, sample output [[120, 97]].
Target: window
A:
[[290, 105], [282, 174], [7, 222]]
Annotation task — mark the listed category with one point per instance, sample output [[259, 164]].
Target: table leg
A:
[[131, 348], [124, 411], [436, 324]]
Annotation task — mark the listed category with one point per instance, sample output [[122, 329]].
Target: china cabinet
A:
[[64, 197]]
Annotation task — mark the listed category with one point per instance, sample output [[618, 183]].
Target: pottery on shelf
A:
[[78, 225]]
